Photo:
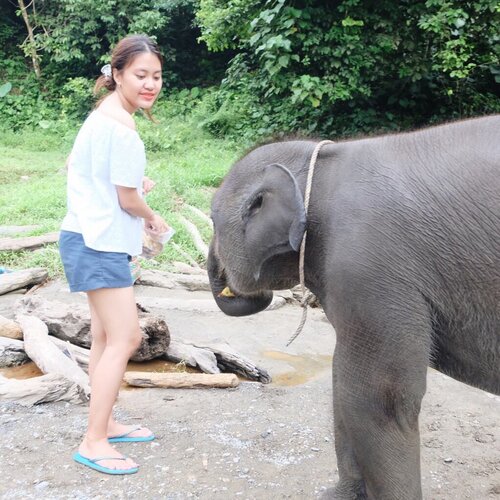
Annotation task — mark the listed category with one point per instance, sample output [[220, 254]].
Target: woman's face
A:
[[140, 82]]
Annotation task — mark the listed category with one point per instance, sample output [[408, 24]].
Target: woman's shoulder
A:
[[117, 114]]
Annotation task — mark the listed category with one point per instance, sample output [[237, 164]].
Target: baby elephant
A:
[[403, 251]]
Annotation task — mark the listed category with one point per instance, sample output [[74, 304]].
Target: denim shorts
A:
[[87, 269]]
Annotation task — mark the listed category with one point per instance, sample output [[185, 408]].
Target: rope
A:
[[306, 295]]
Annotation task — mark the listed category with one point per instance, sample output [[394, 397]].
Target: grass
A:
[[186, 163]]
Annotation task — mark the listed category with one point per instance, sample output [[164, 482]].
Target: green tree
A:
[[357, 65]]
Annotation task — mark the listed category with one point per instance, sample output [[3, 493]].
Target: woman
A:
[[101, 232]]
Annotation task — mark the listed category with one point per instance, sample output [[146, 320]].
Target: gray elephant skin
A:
[[403, 252]]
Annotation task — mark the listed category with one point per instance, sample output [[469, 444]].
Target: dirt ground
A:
[[253, 442]]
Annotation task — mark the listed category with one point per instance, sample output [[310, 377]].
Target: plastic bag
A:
[[153, 242]]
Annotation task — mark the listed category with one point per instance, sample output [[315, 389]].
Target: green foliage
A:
[[358, 66]]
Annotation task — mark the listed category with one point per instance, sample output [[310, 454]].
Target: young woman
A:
[[102, 230]]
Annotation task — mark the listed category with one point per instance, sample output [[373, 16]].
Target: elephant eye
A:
[[256, 203]]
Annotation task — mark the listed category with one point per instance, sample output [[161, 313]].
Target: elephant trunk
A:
[[230, 304]]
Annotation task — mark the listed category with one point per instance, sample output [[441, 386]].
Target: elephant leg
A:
[[379, 379]]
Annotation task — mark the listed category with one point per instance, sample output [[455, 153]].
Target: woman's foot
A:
[[92, 449], [116, 429]]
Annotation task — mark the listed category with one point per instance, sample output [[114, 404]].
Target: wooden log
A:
[[197, 357], [71, 321], [12, 352], [164, 279], [21, 279], [28, 242], [181, 380], [44, 389], [78, 354], [200, 245], [10, 329], [46, 355], [183, 268]]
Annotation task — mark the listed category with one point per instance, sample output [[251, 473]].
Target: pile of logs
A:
[[56, 336]]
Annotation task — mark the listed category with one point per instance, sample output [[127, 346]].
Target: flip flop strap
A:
[[98, 459], [136, 428]]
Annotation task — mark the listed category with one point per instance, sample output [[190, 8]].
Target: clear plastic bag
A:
[[153, 242]]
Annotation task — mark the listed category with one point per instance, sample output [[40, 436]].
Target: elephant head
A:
[[259, 222]]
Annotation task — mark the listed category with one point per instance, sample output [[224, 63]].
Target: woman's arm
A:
[[131, 202]]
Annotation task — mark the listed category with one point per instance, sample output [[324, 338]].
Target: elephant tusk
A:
[[227, 293]]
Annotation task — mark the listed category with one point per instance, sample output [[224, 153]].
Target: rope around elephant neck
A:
[[306, 294]]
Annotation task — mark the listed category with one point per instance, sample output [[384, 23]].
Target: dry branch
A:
[[46, 355], [21, 279], [191, 228], [181, 380], [28, 242]]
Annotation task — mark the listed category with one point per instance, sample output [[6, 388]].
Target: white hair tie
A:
[[106, 70]]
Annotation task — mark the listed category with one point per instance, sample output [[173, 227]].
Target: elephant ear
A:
[[274, 218]]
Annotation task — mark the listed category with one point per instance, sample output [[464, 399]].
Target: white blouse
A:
[[105, 154]]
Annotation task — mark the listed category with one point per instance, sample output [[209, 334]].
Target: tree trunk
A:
[[31, 36]]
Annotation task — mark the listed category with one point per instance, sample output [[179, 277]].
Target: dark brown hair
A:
[[125, 51]]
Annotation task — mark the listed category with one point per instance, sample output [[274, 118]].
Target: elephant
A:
[[402, 249]]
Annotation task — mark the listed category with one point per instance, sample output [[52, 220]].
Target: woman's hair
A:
[[126, 50]]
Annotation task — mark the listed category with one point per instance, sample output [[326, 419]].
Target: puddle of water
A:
[[305, 368]]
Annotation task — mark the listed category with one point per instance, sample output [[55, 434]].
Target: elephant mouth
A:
[[229, 301]]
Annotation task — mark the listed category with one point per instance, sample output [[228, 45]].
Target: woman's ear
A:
[[274, 218]]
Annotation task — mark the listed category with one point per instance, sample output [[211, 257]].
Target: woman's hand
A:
[[156, 224], [147, 185]]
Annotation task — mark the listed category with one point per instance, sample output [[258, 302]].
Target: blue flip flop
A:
[[92, 463], [126, 438]]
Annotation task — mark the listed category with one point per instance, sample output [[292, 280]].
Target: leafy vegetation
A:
[[235, 71], [186, 162]]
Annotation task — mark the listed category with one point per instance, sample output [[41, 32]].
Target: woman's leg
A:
[[116, 311], [98, 335]]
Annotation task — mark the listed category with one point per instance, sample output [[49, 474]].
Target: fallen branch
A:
[[201, 215], [191, 228], [181, 380], [46, 355], [44, 389], [28, 242], [22, 279]]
